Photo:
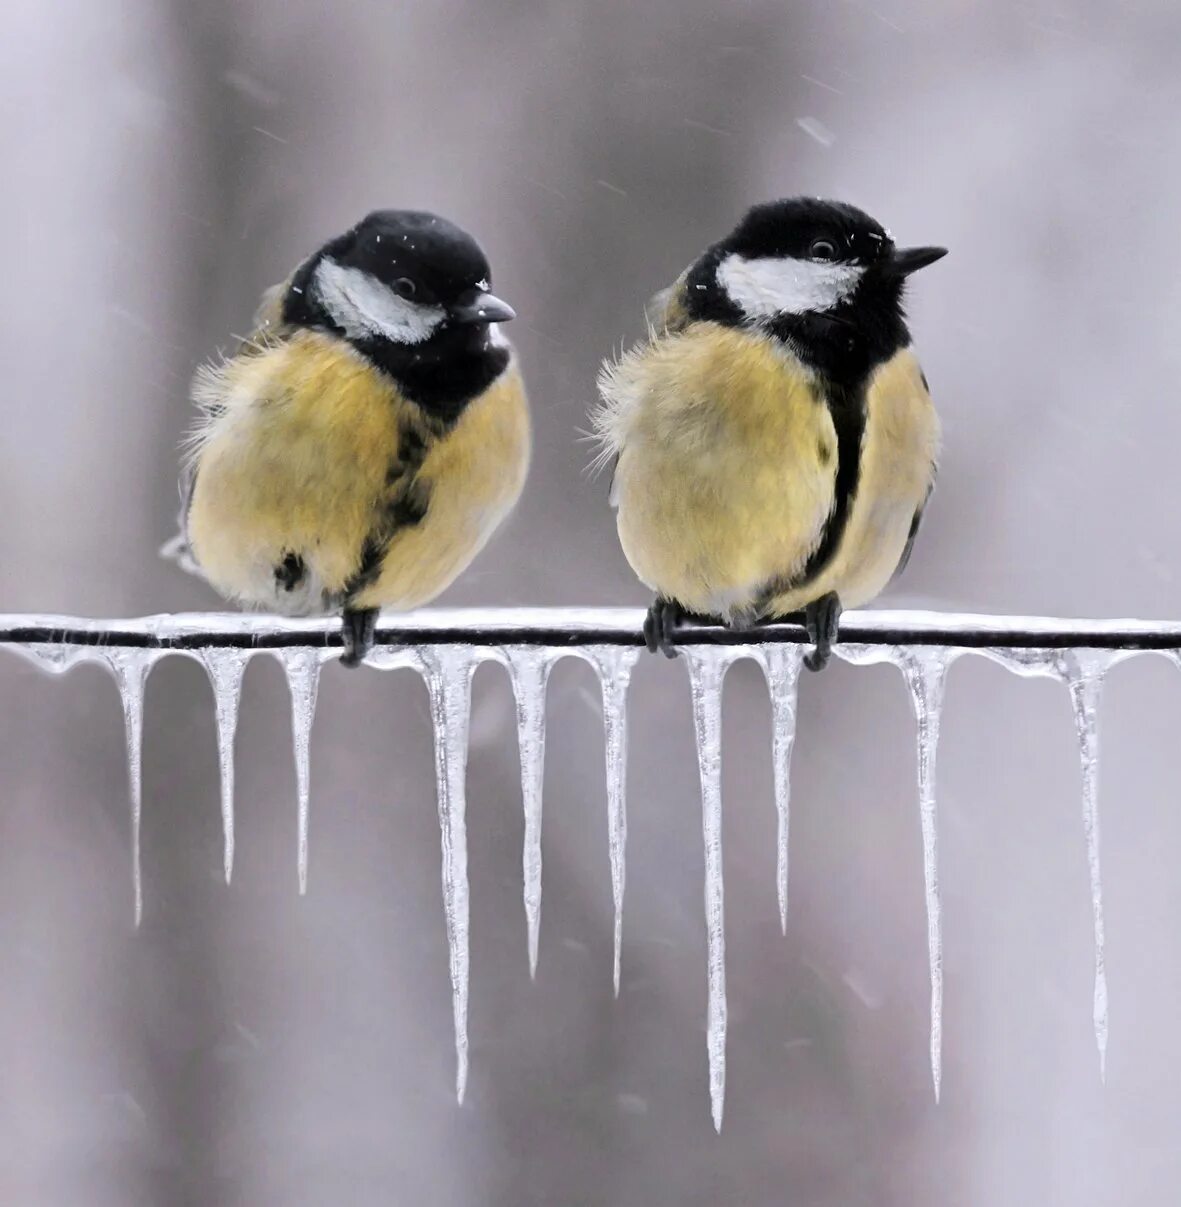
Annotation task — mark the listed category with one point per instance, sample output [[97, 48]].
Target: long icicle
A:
[[1084, 677], [614, 666], [781, 667], [925, 671], [130, 668], [225, 668], [302, 667], [529, 669], [448, 671], [707, 668]]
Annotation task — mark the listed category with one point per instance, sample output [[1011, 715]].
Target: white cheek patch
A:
[[364, 308], [767, 286]]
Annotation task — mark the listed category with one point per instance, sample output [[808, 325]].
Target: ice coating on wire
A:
[[302, 668], [781, 668], [614, 666], [914, 641], [448, 671], [529, 669], [225, 669], [130, 668], [707, 668]]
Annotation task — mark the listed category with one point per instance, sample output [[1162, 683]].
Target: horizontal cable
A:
[[558, 627]]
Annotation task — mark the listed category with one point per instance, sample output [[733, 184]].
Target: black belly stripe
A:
[[847, 408], [406, 507]]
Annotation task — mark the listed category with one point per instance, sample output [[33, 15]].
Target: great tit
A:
[[774, 441], [362, 445]]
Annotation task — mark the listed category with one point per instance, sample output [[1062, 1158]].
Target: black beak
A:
[[906, 260], [476, 306]]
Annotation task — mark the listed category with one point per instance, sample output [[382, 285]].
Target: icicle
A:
[[707, 668], [55, 659], [1083, 672], [529, 668], [302, 667], [448, 671], [925, 669], [130, 668], [781, 667], [614, 666], [225, 668], [1027, 662]]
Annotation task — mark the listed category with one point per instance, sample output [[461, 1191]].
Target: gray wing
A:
[[908, 548], [177, 549], [666, 311]]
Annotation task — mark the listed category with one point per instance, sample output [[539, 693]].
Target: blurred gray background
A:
[[166, 161]]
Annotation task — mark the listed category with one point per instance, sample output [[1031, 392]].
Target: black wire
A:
[[558, 637]]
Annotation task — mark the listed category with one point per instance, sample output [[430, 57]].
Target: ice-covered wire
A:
[[558, 627]]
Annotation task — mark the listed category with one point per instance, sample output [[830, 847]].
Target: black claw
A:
[[358, 627], [662, 619], [822, 619]]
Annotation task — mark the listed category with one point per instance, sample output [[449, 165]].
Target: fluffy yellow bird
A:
[[774, 440], [364, 443]]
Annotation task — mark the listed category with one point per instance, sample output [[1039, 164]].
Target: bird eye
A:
[[823, 249], [404, 287]]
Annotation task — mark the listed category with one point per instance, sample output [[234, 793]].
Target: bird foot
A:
[[660, 624], [358, 627], [822, 619]]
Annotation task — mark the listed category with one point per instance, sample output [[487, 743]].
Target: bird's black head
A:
[[822, 275], [413, 293]]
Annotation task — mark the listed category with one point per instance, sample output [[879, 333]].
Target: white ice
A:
[[529, 668], [614, 666], [1082, 670], [447, 669], [225, 668], [1084, 673], [130, 668], [302, 667], [924, 669], [707, 668], [781, 668]]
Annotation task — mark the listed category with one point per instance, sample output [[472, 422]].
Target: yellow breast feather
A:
[[308, 450], [293, 457], [899, 450], [726, 460], [471, 479]]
